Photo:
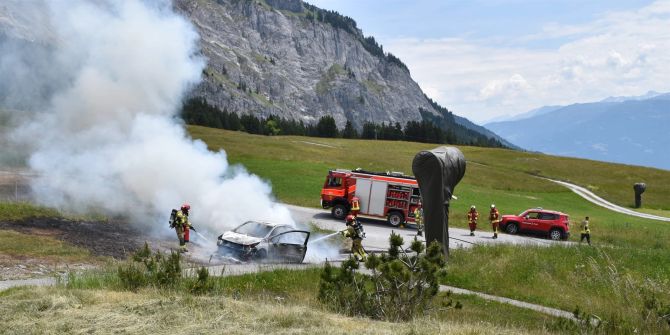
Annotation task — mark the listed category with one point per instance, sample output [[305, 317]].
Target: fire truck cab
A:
[[389, 195]]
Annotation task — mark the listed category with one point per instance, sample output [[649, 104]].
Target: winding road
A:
[[590, 196]]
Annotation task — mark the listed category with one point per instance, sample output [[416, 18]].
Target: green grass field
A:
[[630, 261], [623, 279], [279, 159]]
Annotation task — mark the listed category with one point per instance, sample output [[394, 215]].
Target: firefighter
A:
[[473, 216], [418, 219], [586, 232], [355, 206], [355, 232], [182, 225], [494, 217]]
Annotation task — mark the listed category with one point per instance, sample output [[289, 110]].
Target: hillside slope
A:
[[279, 158]]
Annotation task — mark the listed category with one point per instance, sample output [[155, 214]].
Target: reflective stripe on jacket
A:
[[585, 227], [494, 215], [418, 215], [182, 220]]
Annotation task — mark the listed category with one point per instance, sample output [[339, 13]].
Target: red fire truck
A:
[[389, 195]]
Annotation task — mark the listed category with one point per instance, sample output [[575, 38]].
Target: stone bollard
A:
[[639, 189]]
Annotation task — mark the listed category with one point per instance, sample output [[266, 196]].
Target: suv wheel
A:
[[556, 234], [512, 228], [339, 211]]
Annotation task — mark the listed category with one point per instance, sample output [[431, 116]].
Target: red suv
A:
[[539, 221]]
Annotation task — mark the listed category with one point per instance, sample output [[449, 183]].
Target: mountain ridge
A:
[[629, 132]]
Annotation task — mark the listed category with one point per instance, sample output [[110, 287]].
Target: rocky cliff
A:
[[276, 57], [288, 58]]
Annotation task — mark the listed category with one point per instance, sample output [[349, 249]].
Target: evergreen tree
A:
[[369, 131], [326, 127], [349, 131]]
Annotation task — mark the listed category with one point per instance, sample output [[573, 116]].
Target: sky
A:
[[489, 59]]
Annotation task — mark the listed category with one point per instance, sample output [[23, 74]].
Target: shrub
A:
[[202, 284], [147, 269], [397, 287]]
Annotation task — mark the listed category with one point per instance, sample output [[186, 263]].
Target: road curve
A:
[[588, 195]]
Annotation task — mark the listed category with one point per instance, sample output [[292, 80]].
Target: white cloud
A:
[[618, 54]]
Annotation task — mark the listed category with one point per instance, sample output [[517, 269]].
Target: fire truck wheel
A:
[[395, 219], [339, 212]]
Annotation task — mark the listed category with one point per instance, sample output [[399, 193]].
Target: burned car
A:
[[264, 241]]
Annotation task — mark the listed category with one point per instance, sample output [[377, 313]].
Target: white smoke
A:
[[108, 138]]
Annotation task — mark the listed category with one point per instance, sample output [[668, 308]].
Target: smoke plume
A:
[[99, 121]]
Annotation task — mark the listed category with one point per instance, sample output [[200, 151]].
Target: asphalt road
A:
[[378, 231]]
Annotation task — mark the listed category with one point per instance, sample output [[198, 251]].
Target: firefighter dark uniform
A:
[[473, 216], [494, 218], [418, 219], [586, 232], [355, 232], [182, 225]]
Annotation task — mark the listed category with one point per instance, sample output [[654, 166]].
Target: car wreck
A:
[[264, 241]]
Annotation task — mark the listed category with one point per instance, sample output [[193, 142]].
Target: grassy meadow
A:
[[280, 158], [624, 279], [628, 267]]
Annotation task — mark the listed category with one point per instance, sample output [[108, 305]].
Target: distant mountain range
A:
[[628, 130]]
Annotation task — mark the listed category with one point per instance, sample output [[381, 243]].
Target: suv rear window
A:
[[548, 216]]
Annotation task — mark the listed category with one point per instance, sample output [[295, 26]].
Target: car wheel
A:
[[556, 234], [395, 219], [512, 228], [261, 255], [339, 211]]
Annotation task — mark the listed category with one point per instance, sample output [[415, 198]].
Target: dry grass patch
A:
[[57, 311]]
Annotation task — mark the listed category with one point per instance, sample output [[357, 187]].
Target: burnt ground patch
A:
[[115, 239]]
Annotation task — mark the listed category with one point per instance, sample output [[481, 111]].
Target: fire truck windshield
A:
[[334, 181]]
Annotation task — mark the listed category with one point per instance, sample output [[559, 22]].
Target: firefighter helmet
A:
[[185, 207], [350, 219]]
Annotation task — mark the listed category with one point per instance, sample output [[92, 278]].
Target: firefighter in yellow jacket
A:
[[418, 219], [355, 232], [494, 218], [355, 206], [181, 225], [586, 232]]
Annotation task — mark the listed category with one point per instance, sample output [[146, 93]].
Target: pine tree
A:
[[349, 131]]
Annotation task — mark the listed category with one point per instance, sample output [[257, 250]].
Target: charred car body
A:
[[264, 241]]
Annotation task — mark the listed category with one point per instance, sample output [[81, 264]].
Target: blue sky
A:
[[486, 59]]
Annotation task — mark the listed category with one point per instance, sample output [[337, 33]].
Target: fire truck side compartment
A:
[[363, 188], [377, 198]]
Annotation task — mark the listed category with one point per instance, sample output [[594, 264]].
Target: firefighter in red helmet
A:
[[494, 218], [473, 216], [182, 226], [357, 234]]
